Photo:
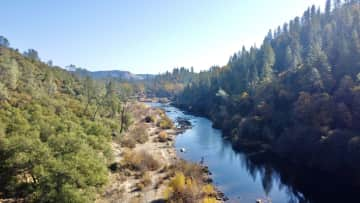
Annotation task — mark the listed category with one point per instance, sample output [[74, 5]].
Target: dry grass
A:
[[128, 142], [189, 169], [140, 161], [139, 134]]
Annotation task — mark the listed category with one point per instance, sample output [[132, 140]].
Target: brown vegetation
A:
[[139, 161]]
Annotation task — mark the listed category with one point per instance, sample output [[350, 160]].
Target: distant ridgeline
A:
[[298, 94], [111, 74], [55, 129]]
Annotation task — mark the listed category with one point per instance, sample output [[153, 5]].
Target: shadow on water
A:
[[244, 177], [302, 184]]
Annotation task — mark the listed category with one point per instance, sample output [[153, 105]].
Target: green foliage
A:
[[165, 123], [55, 131], [32, 55], [169, 83], [4, 42], [301, 89]]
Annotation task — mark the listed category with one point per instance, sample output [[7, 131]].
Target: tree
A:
[[49, 63], [337, 4], [50, 84], [328, 7], [268, 62], [4, 42], [3, 92], [89, 91], [32, 54], [9, 72]]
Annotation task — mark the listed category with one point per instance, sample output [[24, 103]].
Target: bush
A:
[[146, 180], [165, 123], [114, 167], [140, 161], [128, 142], [209, 200], [189, 169], [209, 190], [163, 136], [182, 189], [149, 119], [140, 134]]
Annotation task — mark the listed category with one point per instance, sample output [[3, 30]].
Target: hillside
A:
[[110, 74], [55, 135], [65, 138], [298, 95]]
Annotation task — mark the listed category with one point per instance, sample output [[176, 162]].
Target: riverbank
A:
[[144, 171], [262, 156]]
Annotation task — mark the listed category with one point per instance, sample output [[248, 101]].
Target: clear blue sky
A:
[[142, 36]]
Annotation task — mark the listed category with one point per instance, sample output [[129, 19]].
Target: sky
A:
[[143, 36]]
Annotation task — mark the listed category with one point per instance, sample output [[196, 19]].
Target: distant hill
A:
[[114, 74]]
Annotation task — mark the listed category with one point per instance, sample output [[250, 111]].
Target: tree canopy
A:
[[300, 88]]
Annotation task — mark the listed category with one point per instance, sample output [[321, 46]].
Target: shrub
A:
[[146, 179], [149, 119], [140, 134], [189, 169], [209, 200], [139, 186], [163, 136], [178, 182], [165, 123], [140, 161], [114, 167], [182, 189], [128, 142], [209, 190]]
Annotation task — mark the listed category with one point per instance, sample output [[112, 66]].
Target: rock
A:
[[259, 201], [183, 123], [183, 150]]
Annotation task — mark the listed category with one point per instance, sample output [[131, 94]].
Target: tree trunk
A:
[[123, 111]]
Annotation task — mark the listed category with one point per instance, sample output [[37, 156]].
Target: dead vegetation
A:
[[163, 136], [139, 161]]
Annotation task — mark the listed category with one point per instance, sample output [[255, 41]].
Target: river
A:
[[246, 177]]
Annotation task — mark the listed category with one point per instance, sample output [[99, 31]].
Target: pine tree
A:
[[4, 42], [328, 8], [268, 62]]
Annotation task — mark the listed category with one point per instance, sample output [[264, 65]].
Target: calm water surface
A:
[[241, 177]]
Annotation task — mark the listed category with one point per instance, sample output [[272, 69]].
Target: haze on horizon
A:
[[140, 36]]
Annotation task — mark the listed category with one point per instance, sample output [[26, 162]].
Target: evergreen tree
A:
[[4, 42]]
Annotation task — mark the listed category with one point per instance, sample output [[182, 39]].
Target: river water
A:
[[245, 177]]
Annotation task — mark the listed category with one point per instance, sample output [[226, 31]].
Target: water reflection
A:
[[246, 177]]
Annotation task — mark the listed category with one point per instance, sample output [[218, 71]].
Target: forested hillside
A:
[[168, 84], [55, 130], [297, 95]]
